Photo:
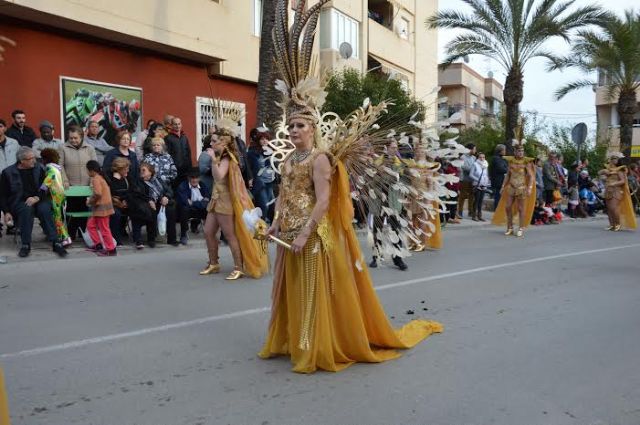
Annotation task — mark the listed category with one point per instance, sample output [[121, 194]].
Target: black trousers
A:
[[187, 213], [25, 215], [76, 205]]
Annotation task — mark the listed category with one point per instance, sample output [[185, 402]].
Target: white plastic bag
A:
[[162, 222]]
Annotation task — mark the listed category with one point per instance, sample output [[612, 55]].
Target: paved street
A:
[[540, 331]]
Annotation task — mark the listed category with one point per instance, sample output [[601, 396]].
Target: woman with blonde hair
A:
[[229, 200], [617, 195], [165, 168]]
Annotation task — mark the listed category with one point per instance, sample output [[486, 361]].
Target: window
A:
[[205, 119], [257, 18], [474, 101], [403, 28], [337, 28]]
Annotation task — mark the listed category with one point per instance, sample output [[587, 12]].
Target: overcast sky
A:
[[540, 85]]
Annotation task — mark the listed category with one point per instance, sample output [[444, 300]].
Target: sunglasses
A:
[[298, 125]]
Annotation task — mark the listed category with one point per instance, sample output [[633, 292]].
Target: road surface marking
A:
[[189, 323]]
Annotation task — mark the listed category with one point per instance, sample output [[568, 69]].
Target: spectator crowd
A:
[[151, 183], [106, 194]]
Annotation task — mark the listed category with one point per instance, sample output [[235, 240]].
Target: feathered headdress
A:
[[518, 144], [303, 94], [228, 116]]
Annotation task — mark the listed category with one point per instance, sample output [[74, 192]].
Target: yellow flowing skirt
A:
[[500, 214], [326, 314]]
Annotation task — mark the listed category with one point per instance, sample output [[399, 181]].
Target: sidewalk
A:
[[41, 250]]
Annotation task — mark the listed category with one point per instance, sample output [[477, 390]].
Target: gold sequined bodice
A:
[[220, 187], [518, 178], [612, 179], [297, 199]]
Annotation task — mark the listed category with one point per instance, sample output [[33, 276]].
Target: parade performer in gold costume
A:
[[325, 314], [518, 192], [229, 199], [425, 214], [617, 195]]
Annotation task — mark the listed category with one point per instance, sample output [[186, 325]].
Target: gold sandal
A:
[[509, 232], [210, 269], [235, 275]]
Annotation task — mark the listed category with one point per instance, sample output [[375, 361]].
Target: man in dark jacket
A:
[[243, 162], [19, 130], [21, 197], [192, 198], [177, 145], [550, 177], [497, 170]]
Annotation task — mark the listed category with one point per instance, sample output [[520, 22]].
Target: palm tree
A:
[[268, 111], [512, 32], [615, 52]]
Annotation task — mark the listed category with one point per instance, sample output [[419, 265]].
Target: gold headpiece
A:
[[518, 144], [303, 95], [227, 115]]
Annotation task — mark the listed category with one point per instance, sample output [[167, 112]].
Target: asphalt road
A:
[[540, 331]]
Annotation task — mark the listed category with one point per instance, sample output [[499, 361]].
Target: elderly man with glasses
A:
[[22, 198]]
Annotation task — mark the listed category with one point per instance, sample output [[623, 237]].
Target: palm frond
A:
[[575, 85]]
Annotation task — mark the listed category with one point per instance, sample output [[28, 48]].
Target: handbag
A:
[[557, 195], [162, 222]]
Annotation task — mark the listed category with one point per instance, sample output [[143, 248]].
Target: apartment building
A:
[[609, 119], [384, 36], [124, 62], [466, 97]]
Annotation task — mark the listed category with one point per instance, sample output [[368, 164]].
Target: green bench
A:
[[78, 192]]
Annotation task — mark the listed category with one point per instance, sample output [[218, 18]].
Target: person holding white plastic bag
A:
[[479, 176], [162, 201]]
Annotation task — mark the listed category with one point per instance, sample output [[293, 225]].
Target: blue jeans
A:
[[262, 197], [24, 215]]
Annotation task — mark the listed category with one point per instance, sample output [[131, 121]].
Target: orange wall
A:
[[31, 73]]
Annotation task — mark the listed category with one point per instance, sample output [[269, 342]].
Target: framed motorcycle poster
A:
[[114, 107]]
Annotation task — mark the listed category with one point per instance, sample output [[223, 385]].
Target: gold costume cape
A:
[[627, 215], [326, 314], [254, 253], [500, 214], [435, 240]]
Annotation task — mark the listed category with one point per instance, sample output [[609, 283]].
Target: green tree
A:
[[615, 51], [560, 142], [486, 135], [512, 32], [348, 89]]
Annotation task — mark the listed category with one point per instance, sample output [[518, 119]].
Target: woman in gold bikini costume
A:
[[518, 192], [325, 313], [617, 195], [228, 201]]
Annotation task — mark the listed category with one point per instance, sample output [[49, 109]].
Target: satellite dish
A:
[[466, 58], [490, 74], [346, 50]]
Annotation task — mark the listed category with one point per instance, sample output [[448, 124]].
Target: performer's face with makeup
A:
[[301, 132]]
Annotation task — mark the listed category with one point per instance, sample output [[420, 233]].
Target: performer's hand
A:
[[274, 229], [298, 244]]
